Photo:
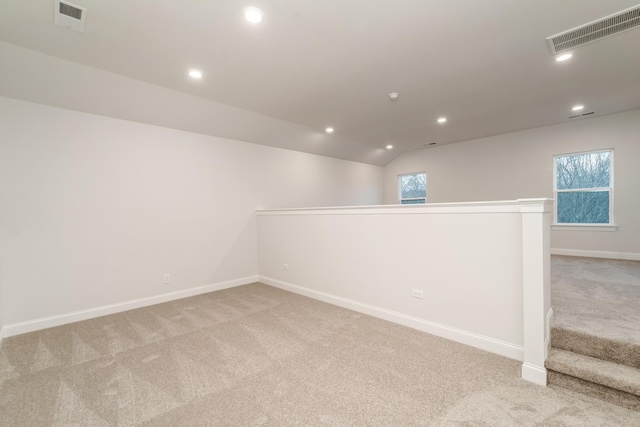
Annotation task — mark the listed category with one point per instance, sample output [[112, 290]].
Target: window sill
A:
[[584, 227]]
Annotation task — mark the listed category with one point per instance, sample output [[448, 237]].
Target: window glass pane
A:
[[412, 201], [413, 186], [590, 170], [583, 207]]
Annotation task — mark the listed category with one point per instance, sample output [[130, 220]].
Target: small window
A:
[[412, 188], [584, 188]]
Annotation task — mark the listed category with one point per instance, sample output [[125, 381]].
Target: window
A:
[[412, 188], [584, 188]]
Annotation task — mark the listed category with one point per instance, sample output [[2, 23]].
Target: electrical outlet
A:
[[417, 293], [285, 266], [167, 278]]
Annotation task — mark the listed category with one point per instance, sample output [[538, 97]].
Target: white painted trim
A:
[[76, 316], [535, 205], [536, 290], [627, 256], [1, 337], [412, 209], [547, 339], [384, 207], [534, 374], [584, 227], [507, 206], [492, 345]]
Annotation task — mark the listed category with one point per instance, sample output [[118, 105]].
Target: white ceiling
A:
[[312, 64]]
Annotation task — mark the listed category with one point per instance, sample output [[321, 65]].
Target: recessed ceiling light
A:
[[389, 147], [578, 107], [253, 15], [329, 130], [196, 74], [442, 120], [564, 57]]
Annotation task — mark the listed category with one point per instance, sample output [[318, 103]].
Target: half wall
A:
[[458, 270]]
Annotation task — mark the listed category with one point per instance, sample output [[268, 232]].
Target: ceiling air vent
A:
[[596, 30], [69, 15], [582, 115]]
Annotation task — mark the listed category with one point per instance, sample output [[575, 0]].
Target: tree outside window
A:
[[412, 188], [583, 188]]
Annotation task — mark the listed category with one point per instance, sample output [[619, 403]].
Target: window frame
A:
[[399, 187], [610, 226]]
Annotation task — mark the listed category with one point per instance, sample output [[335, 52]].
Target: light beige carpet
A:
[[595, 332], [255, 355], [597, 297]]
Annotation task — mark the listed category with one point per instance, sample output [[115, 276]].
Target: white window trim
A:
[[562, 226], [584, 227], [399, 189]]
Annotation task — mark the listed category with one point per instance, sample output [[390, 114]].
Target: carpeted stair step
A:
[[621, 352], [615, 383], [611, 395], [613, 375]]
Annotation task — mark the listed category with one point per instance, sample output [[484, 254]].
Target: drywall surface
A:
[[35, 77], [466, 261], [1, 321], [520, 165], [96, 210]]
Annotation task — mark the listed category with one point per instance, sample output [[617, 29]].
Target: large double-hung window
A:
[[584, 188]]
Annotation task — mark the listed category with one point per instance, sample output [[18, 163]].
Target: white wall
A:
[[520, 165], [1, 321], [35, 77], [94, 210], [466, 258]]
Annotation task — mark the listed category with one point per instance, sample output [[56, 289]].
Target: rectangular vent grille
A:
[[69, 15], [582, 115], [606, 27], [67, 9]]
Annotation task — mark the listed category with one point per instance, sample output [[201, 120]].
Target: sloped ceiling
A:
[[312, 64]]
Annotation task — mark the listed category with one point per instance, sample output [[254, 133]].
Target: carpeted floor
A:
[[595, 334], [256, 355], [597, 297]]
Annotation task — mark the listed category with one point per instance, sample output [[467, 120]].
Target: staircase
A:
[[600, 367], [595, 332]]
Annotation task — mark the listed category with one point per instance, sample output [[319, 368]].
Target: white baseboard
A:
[[547, 332], [535, 374], [502, 348], [627, 256], [76, 316], [1, 337]]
